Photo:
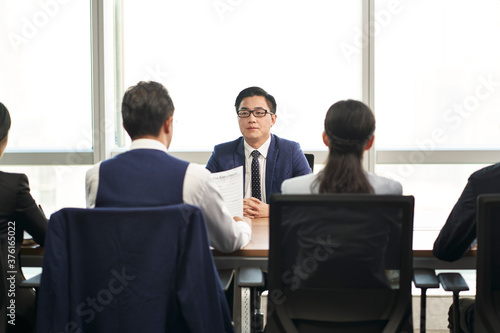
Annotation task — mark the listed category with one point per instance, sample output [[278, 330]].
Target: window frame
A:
[[106, 104]]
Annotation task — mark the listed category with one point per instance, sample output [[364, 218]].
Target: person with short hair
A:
[[147, 175], [267, 159]]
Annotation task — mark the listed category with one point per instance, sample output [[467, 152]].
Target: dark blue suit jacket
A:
[[459, 232], [130, 270], [285, 160]]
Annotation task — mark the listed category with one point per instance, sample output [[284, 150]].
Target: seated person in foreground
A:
[[147, 175], [267, 160], [458, 235], [18, 213], [349, 128]]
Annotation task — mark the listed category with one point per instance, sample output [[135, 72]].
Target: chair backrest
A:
[[130, 270], [340, 263], [487, 312], [310, 160]]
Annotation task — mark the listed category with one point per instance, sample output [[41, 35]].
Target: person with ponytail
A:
[[349, 128], [18, 213]]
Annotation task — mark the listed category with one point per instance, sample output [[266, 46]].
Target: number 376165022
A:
[[11, 242]]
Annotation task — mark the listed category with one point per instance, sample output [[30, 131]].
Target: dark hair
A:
[[349, 126], [256, 91], [4, 122], [145, 108]]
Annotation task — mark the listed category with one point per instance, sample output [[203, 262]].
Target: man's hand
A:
[[254, 208], [244, 219]]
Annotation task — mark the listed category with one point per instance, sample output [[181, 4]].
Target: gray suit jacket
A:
[[307, 185]]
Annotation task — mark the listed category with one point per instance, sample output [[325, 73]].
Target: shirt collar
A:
[[148, 144], [262, 149]]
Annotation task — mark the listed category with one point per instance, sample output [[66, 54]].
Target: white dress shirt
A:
[[262, 168], [199, 189]]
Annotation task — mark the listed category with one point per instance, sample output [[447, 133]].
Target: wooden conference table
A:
[[256, 252]]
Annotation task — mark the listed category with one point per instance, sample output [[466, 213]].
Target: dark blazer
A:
[[18, 212], [159, 277], [285, 160], [459, 232]]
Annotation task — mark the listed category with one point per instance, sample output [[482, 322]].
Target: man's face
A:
[[256, 130]]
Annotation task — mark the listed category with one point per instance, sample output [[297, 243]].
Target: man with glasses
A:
[[267, 159]]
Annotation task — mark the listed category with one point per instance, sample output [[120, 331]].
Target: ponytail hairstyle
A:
[[4, 122], [349, 125]]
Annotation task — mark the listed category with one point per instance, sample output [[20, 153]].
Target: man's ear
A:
[[168, 124], [273, 119], [369, 144], [326, 140]]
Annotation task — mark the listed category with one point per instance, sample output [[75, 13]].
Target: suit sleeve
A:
[[300, 164], [457, 235], [30, 217]]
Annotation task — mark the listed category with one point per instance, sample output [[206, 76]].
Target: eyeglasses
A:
[[258, 113]]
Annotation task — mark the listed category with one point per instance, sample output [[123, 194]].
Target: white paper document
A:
[[231, 187]]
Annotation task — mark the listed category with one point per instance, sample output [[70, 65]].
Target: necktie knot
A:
[[255, 154]]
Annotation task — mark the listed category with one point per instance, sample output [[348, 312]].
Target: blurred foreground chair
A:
[[130, 270], [486, 315], [340, 263]]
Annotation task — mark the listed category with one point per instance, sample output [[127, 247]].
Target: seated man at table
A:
[[458, 235], [147, 175], [267, 159]]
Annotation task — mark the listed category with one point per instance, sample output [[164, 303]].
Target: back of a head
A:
[[255, 91], [4, 122], [145, 108], [349, 125]]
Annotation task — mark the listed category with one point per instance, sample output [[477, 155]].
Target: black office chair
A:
[[310, 160], [130, 270], [487, 312], [340, 263], [424, 278], [487, 305]]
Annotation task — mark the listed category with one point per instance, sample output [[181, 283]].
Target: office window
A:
[[205, 53], [437, 82], [45, 82], [437, 97], [46, 70]]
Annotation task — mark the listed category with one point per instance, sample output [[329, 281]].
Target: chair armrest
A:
[[453, 282], [34, 282], [225, 278], [250, 277], [425, 278]]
